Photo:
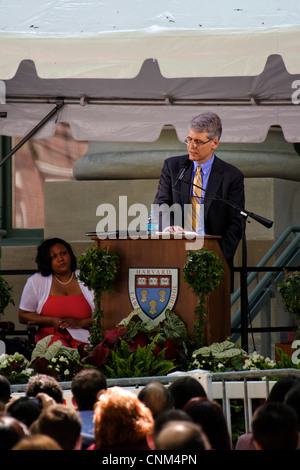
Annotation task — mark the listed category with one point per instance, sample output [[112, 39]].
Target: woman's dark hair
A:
[[185, 388], [24, 409], [209, 415], [43, 258]]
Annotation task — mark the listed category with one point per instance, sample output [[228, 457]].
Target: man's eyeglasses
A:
[[196, 142]]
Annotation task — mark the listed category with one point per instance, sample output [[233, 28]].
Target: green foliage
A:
[[15, 368], [55, 359], [202, 271], [219, 357], [141, 363], [48, 352], [173, 327], [286, 361], [289, 290], [170, 327], [6, 295], [98, 268]]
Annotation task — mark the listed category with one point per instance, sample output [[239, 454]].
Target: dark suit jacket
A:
[[225, 181]]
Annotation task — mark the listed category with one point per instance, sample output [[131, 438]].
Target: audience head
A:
[[5, 390], [172, 414], [11, 432], [25, 409], [37, 442], [185, 388], [63, 424], [164, 417], [156, 397], [183, 436], [281, 388], [85, 387], [292, 399], [275, 427], [42, 383], [209, 415], [120, 418]]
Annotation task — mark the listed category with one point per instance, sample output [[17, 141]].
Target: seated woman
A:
[[54, 299]]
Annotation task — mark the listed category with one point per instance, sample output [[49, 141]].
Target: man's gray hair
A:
[[207, 122]]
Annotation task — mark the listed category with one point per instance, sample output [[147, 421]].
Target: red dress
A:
[[64, 306]]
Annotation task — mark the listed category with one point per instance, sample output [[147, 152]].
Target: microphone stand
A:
[[243, 275]]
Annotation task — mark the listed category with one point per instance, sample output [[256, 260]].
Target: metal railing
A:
[[246, 385], [264, 290]]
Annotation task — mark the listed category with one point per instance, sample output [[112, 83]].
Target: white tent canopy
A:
[[124, 69]]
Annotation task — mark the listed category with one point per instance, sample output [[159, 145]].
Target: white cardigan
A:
[[36, 292]]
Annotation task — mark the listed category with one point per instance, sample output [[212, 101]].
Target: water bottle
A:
[[152, 225]]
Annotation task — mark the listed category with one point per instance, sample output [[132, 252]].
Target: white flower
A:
[[3, 358], [63, 359]]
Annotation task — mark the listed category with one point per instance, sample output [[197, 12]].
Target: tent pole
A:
[[58, 106]]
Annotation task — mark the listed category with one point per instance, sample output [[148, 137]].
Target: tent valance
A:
[[112, 39], [123, 70]]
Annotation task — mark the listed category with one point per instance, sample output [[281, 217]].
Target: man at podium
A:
[[210, 199]]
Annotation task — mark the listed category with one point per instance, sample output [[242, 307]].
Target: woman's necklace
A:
[[64, 283]]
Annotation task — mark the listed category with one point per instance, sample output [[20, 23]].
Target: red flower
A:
[[40, 365], [139, 340], [171, 351], [112, 336], [98, 355]]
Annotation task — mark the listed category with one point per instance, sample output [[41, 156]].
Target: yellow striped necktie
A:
[[196, 199]]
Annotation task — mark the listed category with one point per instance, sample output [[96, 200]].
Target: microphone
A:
[[265, 222], [243, 212], [182, 172]]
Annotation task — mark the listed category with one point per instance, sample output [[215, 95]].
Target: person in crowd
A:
[[210, 417], [55, 299], [184, 388], [122, 421], [219, 182], [171, 414], [292, 398], [277, 394], [24, 409], [62, 423], [156, 397], [11, 432], [5, 392], [181, 436], [275, 427], [85, 387], [43, 383], [37, 442]]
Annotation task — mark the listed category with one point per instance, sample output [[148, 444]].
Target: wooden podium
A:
[[150, 255]]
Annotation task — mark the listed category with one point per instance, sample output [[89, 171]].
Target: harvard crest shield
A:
[[153, 290]]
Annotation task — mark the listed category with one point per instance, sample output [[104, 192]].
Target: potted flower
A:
[[289, 291]]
